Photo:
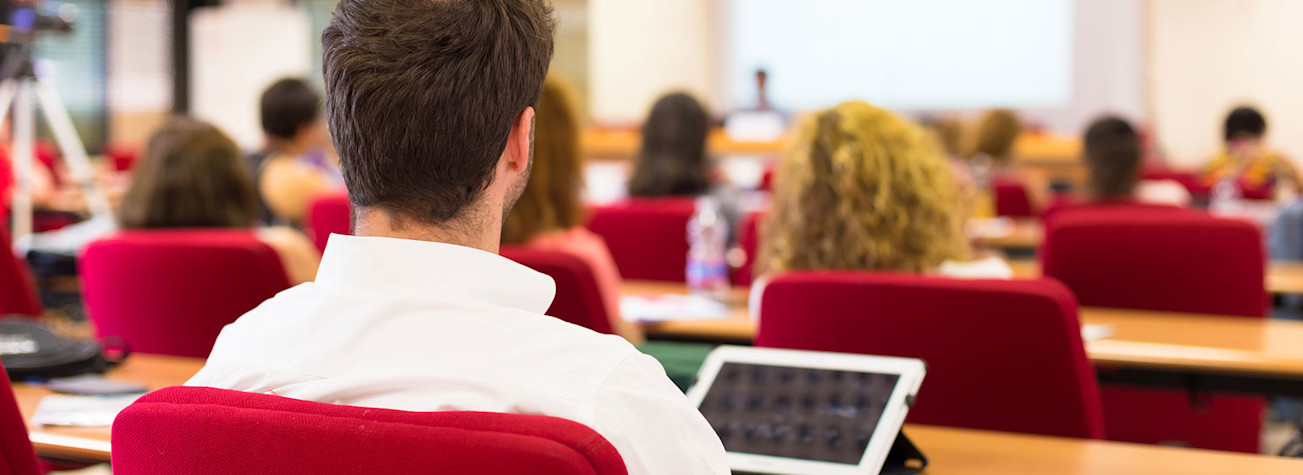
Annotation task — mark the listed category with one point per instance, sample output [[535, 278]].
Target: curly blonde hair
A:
[[862, 189]]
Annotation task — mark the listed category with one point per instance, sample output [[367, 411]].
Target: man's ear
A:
[[520, 144]]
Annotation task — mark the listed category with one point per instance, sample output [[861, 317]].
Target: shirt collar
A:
[[432, 268]]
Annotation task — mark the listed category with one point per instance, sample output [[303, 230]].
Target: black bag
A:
[[30, 350]]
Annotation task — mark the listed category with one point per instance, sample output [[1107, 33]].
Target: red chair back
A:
[[17, 296], [1001, 355], [16, 454], [171, 291], [215, 431], [1157, 258], [122, 156], [1011, 199], [1166, 260], [578, 297], [1192, 182], [749, 239], [328, 214], [648, 237]]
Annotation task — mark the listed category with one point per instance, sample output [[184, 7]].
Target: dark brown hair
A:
[[551, 200], [191, 175], [1244, 122], [1113, 156], [421, 96], [672, 160], [288, 105]]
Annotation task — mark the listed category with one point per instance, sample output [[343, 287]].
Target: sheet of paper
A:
[[87, 411], [659, 308]]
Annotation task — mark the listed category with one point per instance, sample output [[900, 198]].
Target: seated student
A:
[[1113, 156], [1247, 161], [550, 213], [863, 189], [192, 176], [992, 156], [294, 167], [431, 108], [672, 159]]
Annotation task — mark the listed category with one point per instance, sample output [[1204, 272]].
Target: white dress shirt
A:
[[422, 326]]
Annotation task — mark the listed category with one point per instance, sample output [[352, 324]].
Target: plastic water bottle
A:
[[1226, 199], [707, 271]]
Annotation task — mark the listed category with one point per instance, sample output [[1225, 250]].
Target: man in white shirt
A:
[[431, 110]]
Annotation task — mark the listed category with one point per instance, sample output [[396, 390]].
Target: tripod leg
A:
[[24, 156], [7, 90], [74, 152]]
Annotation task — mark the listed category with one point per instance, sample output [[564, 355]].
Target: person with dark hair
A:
[[1113, 158], [294, 166], [431, 106], [1246, 160], [672, 160], [191, 176]]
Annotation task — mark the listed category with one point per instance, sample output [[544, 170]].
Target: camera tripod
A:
[[24, 91]]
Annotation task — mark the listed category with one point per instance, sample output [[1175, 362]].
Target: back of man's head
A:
[[287, 106], [422, 94]]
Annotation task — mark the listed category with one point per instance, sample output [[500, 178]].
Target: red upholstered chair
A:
[[1157, 258], [1002, 355], [1192, 182], [1165, 260], [122, 156], [16, 454], [648, 237], [216, 431], [328, 214], [578, 297], [748, 238], [1012, 199], [17, 296], [171, 291]]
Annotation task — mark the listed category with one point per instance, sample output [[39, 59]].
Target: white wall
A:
[[1108, 67], [236, 52], [1210, 55], [640, 49]]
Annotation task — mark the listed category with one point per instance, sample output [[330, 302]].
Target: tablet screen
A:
[[800, 413]]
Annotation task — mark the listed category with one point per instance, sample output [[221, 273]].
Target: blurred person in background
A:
[[193, 176], [1247, 161], [949, 133], [550, 213], [297, 164], [672, 160], [1114, 155], [991, 159], [863, 189]]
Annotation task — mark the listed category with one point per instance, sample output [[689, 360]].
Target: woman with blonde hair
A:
[[193, 176], [550, 214], [863, 189], [992, 157]]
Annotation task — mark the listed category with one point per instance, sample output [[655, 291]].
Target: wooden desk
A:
[[950, 451], [1177, 343], [1025, 234], [1283, 277], [971, 452], [91, 444]]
